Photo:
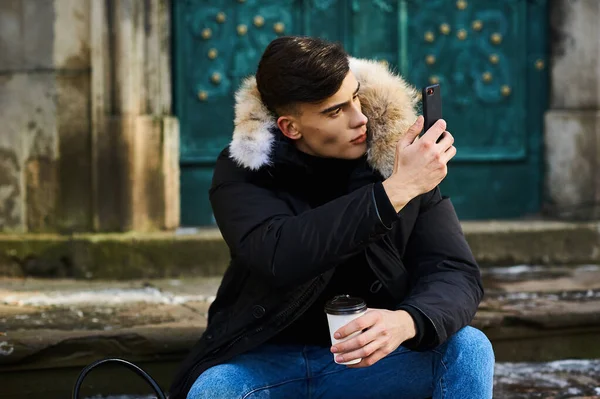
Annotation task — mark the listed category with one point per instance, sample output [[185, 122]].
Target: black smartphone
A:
[[432, 106]]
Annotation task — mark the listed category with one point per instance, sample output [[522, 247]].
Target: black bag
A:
[[138, 370]]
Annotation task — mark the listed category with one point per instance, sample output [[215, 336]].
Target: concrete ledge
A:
[[531, 242], [533, 314], [51, 329], [114, 256], [204, 253]]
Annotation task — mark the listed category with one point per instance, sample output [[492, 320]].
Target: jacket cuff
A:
[[385, 210], [425, 330]]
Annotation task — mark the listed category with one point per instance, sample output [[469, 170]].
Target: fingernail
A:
[[334, 349], [339, 359], [337, 335]]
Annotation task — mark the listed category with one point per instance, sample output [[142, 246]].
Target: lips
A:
[[360, 139]]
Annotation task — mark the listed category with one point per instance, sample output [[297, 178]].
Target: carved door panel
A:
[[487, 54], [217, 44], [489, 57]]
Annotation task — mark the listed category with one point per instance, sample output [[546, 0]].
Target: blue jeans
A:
[[461, 368]]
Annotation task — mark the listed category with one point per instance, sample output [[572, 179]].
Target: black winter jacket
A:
[[285, 246]]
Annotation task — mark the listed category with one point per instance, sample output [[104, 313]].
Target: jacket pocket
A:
[[384, 259]]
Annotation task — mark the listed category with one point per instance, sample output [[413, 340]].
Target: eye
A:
[[336, 112]]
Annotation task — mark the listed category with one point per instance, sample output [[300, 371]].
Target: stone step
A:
[[52, 328], [541, 313], [202, 252], [558, 380]]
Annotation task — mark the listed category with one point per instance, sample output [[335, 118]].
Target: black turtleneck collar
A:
[[320, 179], [286, 153]]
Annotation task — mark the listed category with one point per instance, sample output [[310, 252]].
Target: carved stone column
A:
[[135, 140], [572, 133]]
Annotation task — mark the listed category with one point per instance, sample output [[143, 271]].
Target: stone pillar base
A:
[[572, 140], [137, 174]]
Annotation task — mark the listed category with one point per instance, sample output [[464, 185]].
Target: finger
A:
[[365, 321], [449, 154], [357, 342], [447, 140], [370, 360], [413, 131], [435, 131], [361, 352]]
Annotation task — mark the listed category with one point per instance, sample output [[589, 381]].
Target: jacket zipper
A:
[[281, 315]]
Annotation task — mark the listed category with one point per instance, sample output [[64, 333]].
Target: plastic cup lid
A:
[[345, 304]]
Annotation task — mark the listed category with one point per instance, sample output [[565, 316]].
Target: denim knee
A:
[[221, 381], [472, 347]]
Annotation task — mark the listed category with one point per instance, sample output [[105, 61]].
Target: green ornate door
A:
[[488, 55]]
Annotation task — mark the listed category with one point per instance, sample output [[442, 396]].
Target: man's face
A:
[[334, 128]]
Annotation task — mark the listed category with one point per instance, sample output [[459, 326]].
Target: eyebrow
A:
[[328, 110]]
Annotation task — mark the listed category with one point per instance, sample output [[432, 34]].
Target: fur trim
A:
[[252, 137], [386, 99]]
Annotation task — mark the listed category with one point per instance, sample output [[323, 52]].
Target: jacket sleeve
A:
[[446, 282], [263, 232]]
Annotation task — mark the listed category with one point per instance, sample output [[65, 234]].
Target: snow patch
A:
[[105, 297], [9, 349]]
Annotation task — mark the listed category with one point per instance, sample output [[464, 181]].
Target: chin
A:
[[356, 151]]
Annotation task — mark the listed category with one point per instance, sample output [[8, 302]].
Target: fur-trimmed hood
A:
[[387, 100]]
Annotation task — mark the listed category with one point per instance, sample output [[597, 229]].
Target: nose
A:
[[358, 119]]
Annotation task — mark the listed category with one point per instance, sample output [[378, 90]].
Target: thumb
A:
[[413, 132]]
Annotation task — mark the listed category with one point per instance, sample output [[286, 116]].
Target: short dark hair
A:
[[295, 69]]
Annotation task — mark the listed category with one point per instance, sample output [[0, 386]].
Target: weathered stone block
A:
[[38, 34], [575, 70], [34, 97], [74, 210], [112, 169], [28, 132], [138, 174], [11, 47], [46, 128], [10, 113], [156, 189], [42, 190], [11, 192], [44, 34], [171, 173], [572, 174], [72, 34], [11, 182], [147, 178], [38, 129]]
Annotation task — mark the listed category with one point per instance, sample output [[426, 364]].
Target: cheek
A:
[[326, 136], [335, 132], [329, 139]]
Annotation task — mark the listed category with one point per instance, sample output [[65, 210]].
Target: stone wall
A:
[[45, 115], [572, 132], [87, 142]]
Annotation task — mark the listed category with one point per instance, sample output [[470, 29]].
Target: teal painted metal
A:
[[494, 93], [489, 56]]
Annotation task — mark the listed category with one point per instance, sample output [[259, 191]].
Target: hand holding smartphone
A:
[[420, 167], [432, 106]]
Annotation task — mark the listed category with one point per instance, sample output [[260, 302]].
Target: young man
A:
[[326, 189]]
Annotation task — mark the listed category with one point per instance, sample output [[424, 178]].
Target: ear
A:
[[288, 127]]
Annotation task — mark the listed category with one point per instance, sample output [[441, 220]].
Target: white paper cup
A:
[[341, 310]]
